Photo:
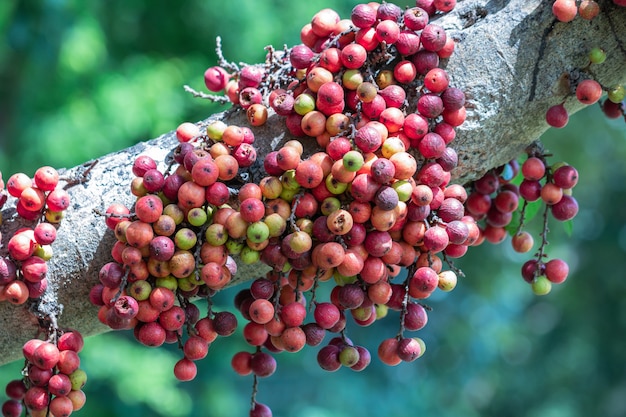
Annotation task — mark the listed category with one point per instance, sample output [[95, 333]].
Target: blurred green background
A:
[[79, 79]]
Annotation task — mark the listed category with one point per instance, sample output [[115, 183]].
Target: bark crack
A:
[[541, 51]]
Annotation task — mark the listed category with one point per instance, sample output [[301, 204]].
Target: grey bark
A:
[[509, 59]]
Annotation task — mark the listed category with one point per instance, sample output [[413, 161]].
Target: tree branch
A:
[[509, 59]]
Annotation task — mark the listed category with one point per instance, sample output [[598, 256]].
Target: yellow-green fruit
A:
[[168, 282], [78, 378], [216, 129], [541, 285], [447, 280]]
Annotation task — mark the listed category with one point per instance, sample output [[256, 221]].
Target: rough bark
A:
[[509, 59]]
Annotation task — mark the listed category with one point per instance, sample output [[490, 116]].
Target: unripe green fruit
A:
[[597, 56], [342, 279], [168, 282], [140, 290], [447, 280], [234, 247], [216, 234], [403, 189], [197, 216], [174, 212], [288, 180], [45, 252], [288, 195], [300, 241], [351, 79], [349, 356], [185, 239], [78, 378], [381, 311], [362, 313], [329, 205], [335, 187], [276, 224], [54, 216], [541, 285], [422, 345], [215, 130], [617, 94], [258, 232], [163, 198], [353, 161], [249, 256], [304, 104], [557, 165], [186, 284]]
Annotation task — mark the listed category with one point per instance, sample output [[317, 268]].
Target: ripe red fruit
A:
[[216, 78], [36, 398], [432, 146], [565, 177], [262, 364], [260, 410], [533, 169], [187, 131], [409, 349], [46, 356], [12, 408], [59, 384], [444, 5], [151, 334], [557, 116], [368, 139], [436, 80], [433, 37], [388, 351], [330, 98], [71, 340], [430, 105], [588, 91], [61, 406], [565, 209], [224, 323], [261, 311], [251, 76], [252, 210], [68, 361], [564, 10], [328, 358], [16, 389], [556, 270], [17, 183], [326, 315], [363, 16], [185, 370], [58, 200], [34, 269], [415, 18], [353, 56], [46, 178], [330, 59], [388, 31], [293, 314], [301, 56]]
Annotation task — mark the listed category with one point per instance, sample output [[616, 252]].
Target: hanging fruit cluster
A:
[[370, 211], [52, 380], [374, 198]]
